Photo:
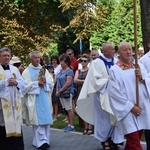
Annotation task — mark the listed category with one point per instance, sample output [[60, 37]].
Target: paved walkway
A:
[[66, 141]]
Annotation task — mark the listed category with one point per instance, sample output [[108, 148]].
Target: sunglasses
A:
[[84, 61], [69, 54]]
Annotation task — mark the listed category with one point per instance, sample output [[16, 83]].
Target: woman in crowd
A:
[[65, 84], [50, 69], [80, 76], [55, 63], [57, 108]]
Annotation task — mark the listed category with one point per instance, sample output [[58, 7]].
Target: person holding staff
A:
[[132, 119]]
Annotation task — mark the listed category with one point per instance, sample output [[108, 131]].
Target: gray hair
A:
[[5, 49], [33, 52], [122, 44], [95, 51], [104, 46]]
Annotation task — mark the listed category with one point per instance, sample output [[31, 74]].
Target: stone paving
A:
[[66, 141]]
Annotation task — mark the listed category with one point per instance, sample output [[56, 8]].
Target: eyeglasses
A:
[[84, 61], [70, 54]]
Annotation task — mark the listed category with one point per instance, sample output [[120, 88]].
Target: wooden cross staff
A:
[[135, 50]]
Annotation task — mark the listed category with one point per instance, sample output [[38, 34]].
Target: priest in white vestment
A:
[[145, 60], [132, 119], [39, 86], [93, 104], [11, 87]]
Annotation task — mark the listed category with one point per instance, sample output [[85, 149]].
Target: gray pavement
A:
[[66, 141]]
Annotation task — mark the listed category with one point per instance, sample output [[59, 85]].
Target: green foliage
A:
[[119, 26], [52, 49], [83, 18], [26, 26], [88, 16]]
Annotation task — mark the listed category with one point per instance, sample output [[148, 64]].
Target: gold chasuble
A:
[[12, 115]]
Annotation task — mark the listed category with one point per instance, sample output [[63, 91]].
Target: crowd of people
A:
[[100, 90]]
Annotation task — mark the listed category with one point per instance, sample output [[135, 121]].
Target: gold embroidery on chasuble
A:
[[12, 123]]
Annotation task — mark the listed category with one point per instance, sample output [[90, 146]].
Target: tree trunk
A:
[[145, 22]]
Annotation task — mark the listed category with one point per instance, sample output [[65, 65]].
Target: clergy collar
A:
[[5, 67], [107, 59]]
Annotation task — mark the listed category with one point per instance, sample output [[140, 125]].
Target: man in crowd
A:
[[145, 60], [94, 54], [74, 66], [11, 87], [39, 86], [74, 62], [97, 107], [132, 118]]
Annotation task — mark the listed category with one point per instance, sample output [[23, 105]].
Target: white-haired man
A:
[[11, 87], [132, 119], [39, 86], [93, 104]]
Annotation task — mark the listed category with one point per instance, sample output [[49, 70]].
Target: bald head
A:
[[124, 45], [108, 50], [125, 52]]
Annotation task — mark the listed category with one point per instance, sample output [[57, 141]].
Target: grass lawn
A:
[[60, 124]]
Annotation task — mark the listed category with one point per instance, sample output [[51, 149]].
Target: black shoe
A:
[[33, 145], [44, 146]]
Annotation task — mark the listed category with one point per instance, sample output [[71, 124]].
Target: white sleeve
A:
[[48, 86], [34, 89]]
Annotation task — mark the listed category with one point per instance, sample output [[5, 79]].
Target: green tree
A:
[[27, 25], [53, 50], [120, 25], [101, 36], [87, 16]]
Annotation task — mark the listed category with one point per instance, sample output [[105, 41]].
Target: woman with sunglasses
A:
[[79, 78]]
